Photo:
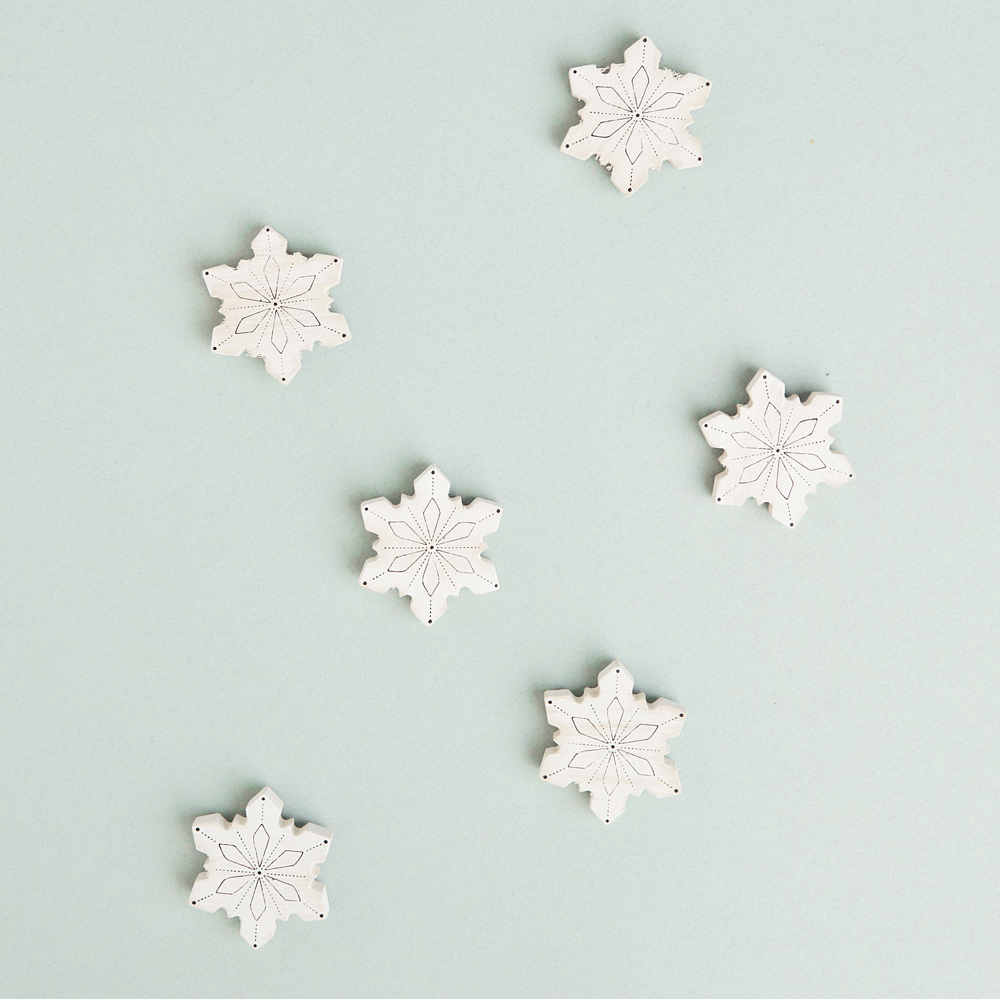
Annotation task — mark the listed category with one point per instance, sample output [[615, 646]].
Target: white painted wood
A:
[[276, 305], [260, 867], [635, 116], [429, 545], [611, 742], [776, 449]]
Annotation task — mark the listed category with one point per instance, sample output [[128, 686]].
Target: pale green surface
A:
[[181, 542]]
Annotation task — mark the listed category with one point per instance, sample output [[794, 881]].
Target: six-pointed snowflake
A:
[[635, 116], [260, 867], [276, 305], [777, 449], [429, 545], [611, 742]]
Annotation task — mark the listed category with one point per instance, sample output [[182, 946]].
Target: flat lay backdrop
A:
[[180, 539]]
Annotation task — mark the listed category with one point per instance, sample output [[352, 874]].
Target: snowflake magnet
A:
[[276, 305], [776, 449], [260, 867], [635, 116], [429, 545], [611, 742]]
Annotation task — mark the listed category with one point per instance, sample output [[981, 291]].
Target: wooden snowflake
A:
[[260, 867], [776, 449], [611, 742], [429, 545], [276, 305], [635, 116]]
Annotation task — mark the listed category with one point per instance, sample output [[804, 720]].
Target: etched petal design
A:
[[639, 734], [749, 441], [403, 563], [665, 102], [279, 338], [633, 145], [431, 578], [772, 420], [810, 462], [588, 729], [611, 97], [248, 292], [663, 132], [754, 471], [304, 317], [260, 843], [639, 764], [783, 480], [458, 562], [271, 274], [611, 778], [586, 758], [298, 287], [608, 128], [285, 890], [248, 324], [230, 886], [403, 530], [432, 517], [639, 84], [234, 855], [802, 430], [289, 858], [615, 713], [459, 532], [258, 903]]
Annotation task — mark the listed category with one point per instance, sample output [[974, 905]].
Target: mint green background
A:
[[180, 540]]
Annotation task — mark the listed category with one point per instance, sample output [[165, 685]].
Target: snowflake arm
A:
[[276, 305], [260, 867], [776, 449], [429, 545], [611, 742], [635, 116]]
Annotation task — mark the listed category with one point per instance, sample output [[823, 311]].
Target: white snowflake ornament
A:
[[611, 742], [260, 867], [276, 305], [776, 449], [635, 116], [429, 545]]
